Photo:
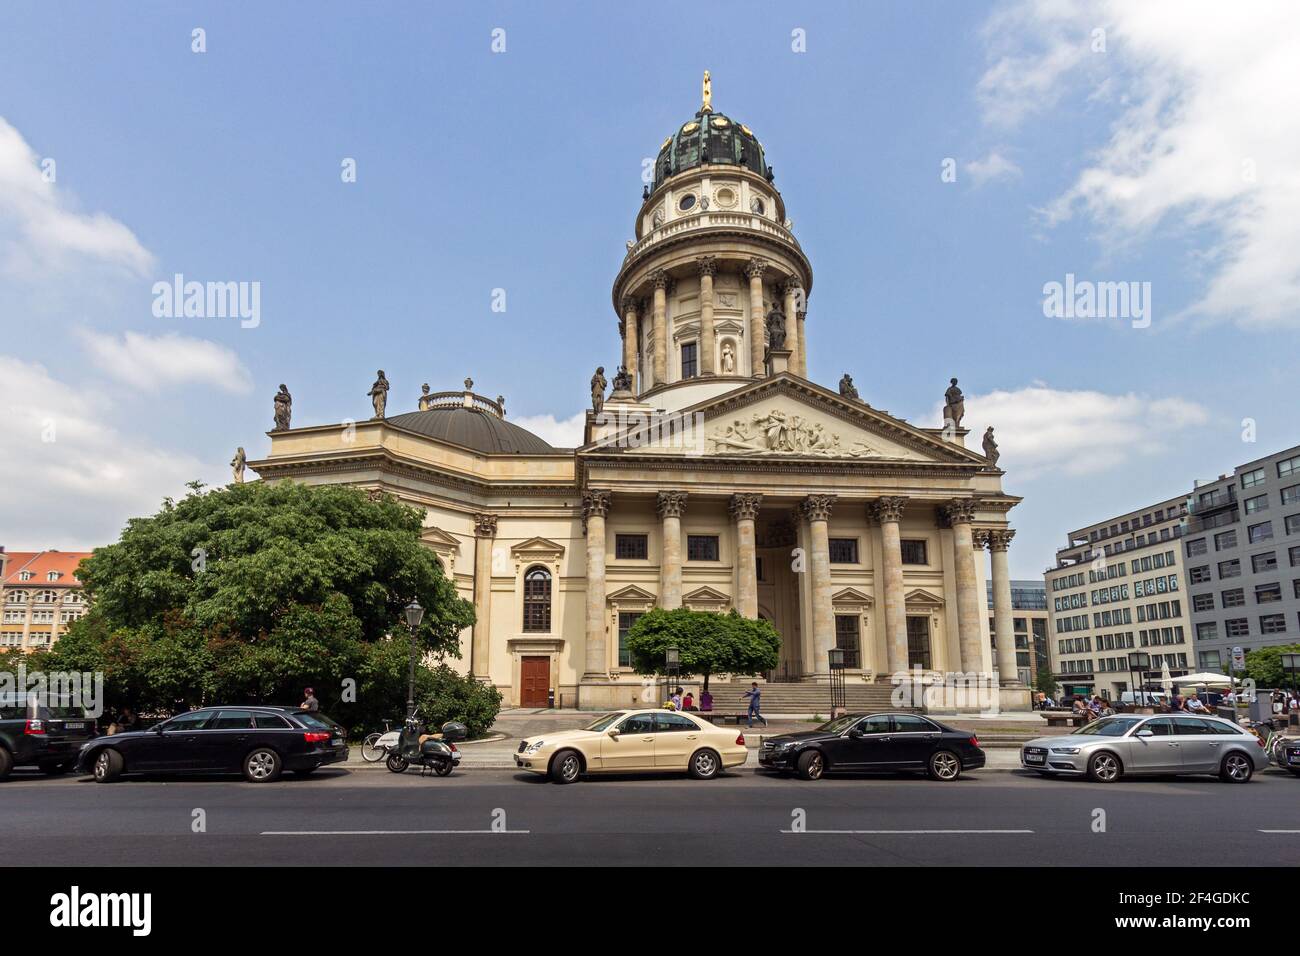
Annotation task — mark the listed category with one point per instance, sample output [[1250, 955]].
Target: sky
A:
[[943, 164]]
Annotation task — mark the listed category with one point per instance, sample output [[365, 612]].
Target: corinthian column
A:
[[744, 508], [790, 288], [803, 346], [708, 268], [1004, 630], [960, 512], [671, 505], [595, 505], [755, 269], [631, 340], [888, 512], [817, 508], [660, 280], [485, 533]]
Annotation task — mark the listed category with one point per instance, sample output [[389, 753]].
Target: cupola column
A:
[[754, 269], [660, 279], [708, 267], [802, 363], [790, 288], [631, 340]]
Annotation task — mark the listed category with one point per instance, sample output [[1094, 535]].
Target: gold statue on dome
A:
[[708, 94]]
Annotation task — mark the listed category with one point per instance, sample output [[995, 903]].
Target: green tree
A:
[[1045, 680], [251, 592], [1265, 666], [708, 643]]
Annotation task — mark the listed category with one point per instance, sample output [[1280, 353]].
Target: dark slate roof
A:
[[470, 428], [710, 138]]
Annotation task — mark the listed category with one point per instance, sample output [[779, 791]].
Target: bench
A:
[[1061, 718], [719, 717]]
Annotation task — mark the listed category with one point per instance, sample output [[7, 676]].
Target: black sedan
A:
[[259, 742], [864, 743]]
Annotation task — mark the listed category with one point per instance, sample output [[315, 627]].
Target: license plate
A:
[[1033, 758], [74, 726], [1293, 756]]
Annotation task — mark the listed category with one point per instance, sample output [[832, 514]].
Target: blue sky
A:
[[1159, 159]]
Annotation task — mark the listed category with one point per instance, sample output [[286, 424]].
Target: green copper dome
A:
[[714, 139]]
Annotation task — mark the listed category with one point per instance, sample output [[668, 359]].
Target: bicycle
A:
[[371, 750]]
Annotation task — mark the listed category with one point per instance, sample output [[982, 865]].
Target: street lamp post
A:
[[1139, 661], [414, 615], [835, 656], [672, 662]]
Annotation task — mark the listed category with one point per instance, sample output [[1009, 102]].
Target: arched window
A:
[[537, 599]]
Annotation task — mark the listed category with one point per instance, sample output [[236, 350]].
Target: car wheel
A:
[[566, 766], [6, 763], [944, 765], [811, 765], [262, 766], [108, 765], [705, 764], [1236, 768], [1104, 767], [396, 764]]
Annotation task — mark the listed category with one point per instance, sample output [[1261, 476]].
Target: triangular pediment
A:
[[920, 599], [783, 418], [706, 596], [439, 539], [631, 595], [852, 596], [538, 548]]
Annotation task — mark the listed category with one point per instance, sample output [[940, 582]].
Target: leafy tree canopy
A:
[[1265, 666], [707, 643]]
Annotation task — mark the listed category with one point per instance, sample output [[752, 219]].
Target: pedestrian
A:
[[706, 701], [676, 699], [754, 694], [126, 721], [688, 702], [310, 703]]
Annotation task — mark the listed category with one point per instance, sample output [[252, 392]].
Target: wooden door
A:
[[535, 681]]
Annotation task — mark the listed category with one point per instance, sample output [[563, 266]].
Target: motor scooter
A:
[[439, 756]]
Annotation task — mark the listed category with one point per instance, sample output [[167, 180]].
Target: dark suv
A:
[[38, 734]]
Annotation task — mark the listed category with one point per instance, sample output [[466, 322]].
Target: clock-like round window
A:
[[726, 197], [686, 202]]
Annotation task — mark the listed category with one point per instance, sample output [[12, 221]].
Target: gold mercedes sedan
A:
[[634, 741]]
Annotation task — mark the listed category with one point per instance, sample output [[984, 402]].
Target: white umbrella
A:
[[1166, 681], [1207, 678]]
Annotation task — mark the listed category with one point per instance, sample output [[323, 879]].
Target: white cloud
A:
[[1040, 429], [39, 228], [151, 362], [72, 480], [562, 433], [1207, 134], [992, 167]]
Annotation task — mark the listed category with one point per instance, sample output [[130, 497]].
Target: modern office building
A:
[[1030, 623], [1117, 587], [1242, 553], [39, 597]]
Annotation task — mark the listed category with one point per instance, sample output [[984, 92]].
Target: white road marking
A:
[[1279, 831], [380, 832], [888, 832]]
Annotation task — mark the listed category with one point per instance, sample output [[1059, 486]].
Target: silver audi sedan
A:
[[1131, 744]]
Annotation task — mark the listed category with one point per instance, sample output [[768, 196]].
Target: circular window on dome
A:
[[726, 197], [686, 202]]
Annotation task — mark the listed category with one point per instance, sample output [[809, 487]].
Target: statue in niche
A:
[[776, 329], [728, 359]]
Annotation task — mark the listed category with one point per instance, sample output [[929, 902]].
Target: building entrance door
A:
[[534, 681]]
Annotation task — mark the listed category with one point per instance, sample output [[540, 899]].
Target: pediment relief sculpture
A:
[[781, 433]]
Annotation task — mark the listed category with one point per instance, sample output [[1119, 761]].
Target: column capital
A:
[[979, 538], [745, 506], [791, 286], [659, 279], [818, 507], [999, 539], [755, 268], [596, 503], [960, 510], [631, 304], [888, 509], [671, 504], [708, 265], [485, 525]]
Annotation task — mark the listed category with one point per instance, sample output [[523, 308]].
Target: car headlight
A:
[[1065, 750], [785, 746], [535, 746]]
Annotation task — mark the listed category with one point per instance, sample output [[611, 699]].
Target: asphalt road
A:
[[347, 817]]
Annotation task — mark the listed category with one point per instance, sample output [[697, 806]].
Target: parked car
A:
[[634, 741], [1287, 754], [874, 742], [259, 742], [44, 735], [1128, 744]]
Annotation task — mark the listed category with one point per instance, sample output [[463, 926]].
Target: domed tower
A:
[[713, 265]]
